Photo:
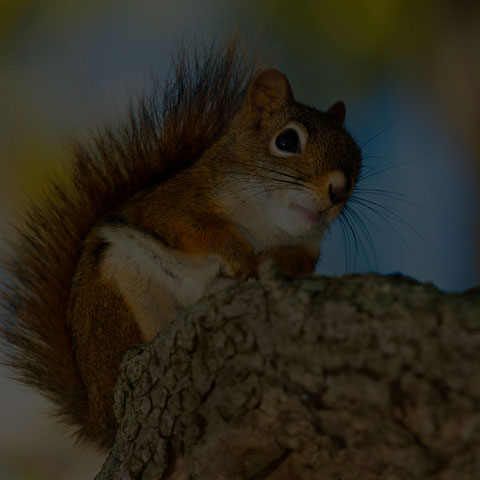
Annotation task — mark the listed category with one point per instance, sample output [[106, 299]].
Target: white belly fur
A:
[[154, 280]]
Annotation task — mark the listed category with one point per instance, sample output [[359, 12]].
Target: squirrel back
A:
[[164, 133]]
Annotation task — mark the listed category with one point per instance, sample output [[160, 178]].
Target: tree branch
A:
[[360, 377]]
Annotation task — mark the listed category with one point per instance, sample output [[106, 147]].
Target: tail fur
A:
[[165, 132]]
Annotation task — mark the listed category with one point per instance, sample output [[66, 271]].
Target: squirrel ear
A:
[[268, 92], [338, 112]]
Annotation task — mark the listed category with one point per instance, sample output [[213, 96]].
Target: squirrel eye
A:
[[290, 141]]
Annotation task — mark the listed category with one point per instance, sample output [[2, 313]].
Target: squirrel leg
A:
[[219, 238]]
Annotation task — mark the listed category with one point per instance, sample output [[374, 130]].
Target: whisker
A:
[[267, 178], [390, 214], [364, 167], [378, 134], [263, 190], [370, 221], [367, 157], [378, 172], [386, 219], [284, 174], [384, 193], [345, 227], [351, 228], [366, 234], [302, 178]]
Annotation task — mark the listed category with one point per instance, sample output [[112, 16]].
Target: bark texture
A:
[[356, 378]]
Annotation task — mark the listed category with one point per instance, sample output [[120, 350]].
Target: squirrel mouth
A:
[[311, 215]]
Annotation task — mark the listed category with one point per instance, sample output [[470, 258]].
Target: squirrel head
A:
[[299, 165]]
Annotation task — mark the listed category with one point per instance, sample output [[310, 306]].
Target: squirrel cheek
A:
[[294, 214]]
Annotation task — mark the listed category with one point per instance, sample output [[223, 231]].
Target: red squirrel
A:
[[196, 189]]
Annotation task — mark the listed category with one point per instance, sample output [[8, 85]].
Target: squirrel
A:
[[213, 173]]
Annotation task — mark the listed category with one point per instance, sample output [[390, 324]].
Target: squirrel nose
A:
[[338, 188]]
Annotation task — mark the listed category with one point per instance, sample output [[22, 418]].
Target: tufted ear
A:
[[338, 112], [270, 91]]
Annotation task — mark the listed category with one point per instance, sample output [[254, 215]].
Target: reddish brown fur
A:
[[142, 172], [183, 212], [164, 133], [102, 329]]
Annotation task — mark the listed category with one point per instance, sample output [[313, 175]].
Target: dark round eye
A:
[[288, 141], [291, 140]]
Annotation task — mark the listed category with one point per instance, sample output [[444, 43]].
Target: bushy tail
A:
[[165, 132]]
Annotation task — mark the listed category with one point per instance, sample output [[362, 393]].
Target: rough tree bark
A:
[[356, 378]]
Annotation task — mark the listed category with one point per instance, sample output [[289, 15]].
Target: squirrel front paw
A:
[[291, 260], [240, 263]]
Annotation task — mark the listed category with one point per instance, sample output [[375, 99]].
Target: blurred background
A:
[[408, 71]]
